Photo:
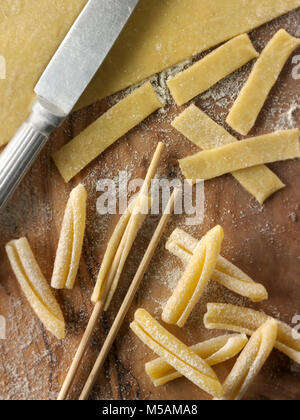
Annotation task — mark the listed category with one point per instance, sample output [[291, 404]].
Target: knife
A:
[[69, 72]]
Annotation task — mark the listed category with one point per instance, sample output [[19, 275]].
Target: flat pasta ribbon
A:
[[227, 274], [244, 320], [175, 353], [71, 240], [213, 352], [193, 282], [35, 287]]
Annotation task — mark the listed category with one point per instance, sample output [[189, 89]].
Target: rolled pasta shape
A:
[[35, 287], [227, 274], [70, 242], [250, 361], [193, 282], [176, 353], [213, 352], [244, 320]]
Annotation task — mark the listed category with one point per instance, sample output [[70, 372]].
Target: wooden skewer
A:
[[129, 298], [99, 307]]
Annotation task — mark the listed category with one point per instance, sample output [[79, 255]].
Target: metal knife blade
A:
[[82, 52]]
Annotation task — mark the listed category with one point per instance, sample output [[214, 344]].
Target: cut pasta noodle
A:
[[35, 287], [251, 361], [213, 352], [244, 320], [175, 353], [227, 274], [70, 242], [282, 145], [200, 129], [265, 73], [192, 284]]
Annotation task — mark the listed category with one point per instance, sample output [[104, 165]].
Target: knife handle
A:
[[24, 147]]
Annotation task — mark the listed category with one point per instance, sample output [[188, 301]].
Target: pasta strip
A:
[[35, 287], [215, 351], [266, 71], [211, 69], [200, 129], [112, 125], [282, 145], [192, 284], [227, 274], [244, 320], [70, 242], [175, 353], [251, 361]]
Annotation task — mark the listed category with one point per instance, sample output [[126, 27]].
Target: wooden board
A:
[[263, 241]]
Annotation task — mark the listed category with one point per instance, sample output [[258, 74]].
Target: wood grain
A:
[[263, 241]]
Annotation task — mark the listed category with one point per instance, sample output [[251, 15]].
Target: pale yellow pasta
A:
[[214, 352], [138, 216], [211, 69], [175, 353], [112, 125], [227, 274], [250, 362], [110, 253], [249, 103], [244, 320], [70, 242], [193, 282], [199, 128], [282, 145], [35, 287]]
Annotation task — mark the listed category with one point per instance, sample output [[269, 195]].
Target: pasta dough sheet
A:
[[112, 125], [227, 274], [243, 320], [193, 282], [70, 242], [282, 145], [199, 128], [213, 352], [35, 287], [211, 69], [160, 33], [175, 353], [250, 362], [250, 102]]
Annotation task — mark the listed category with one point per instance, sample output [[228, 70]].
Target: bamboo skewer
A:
[[99, 306], [128, 299]]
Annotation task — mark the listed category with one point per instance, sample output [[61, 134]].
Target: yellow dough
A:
[[70, 242], [213, 352], [265, 73], [211, 69], [35, 287], [250, 362], [175, 353], [235, 318], [227, 274], [282, 145], [112, 125], [192, 284], [199, 128], [160, 34]]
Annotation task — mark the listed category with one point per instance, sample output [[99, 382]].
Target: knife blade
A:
[[67, 75]]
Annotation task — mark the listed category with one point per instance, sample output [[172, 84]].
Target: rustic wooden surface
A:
[[262, 240]]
